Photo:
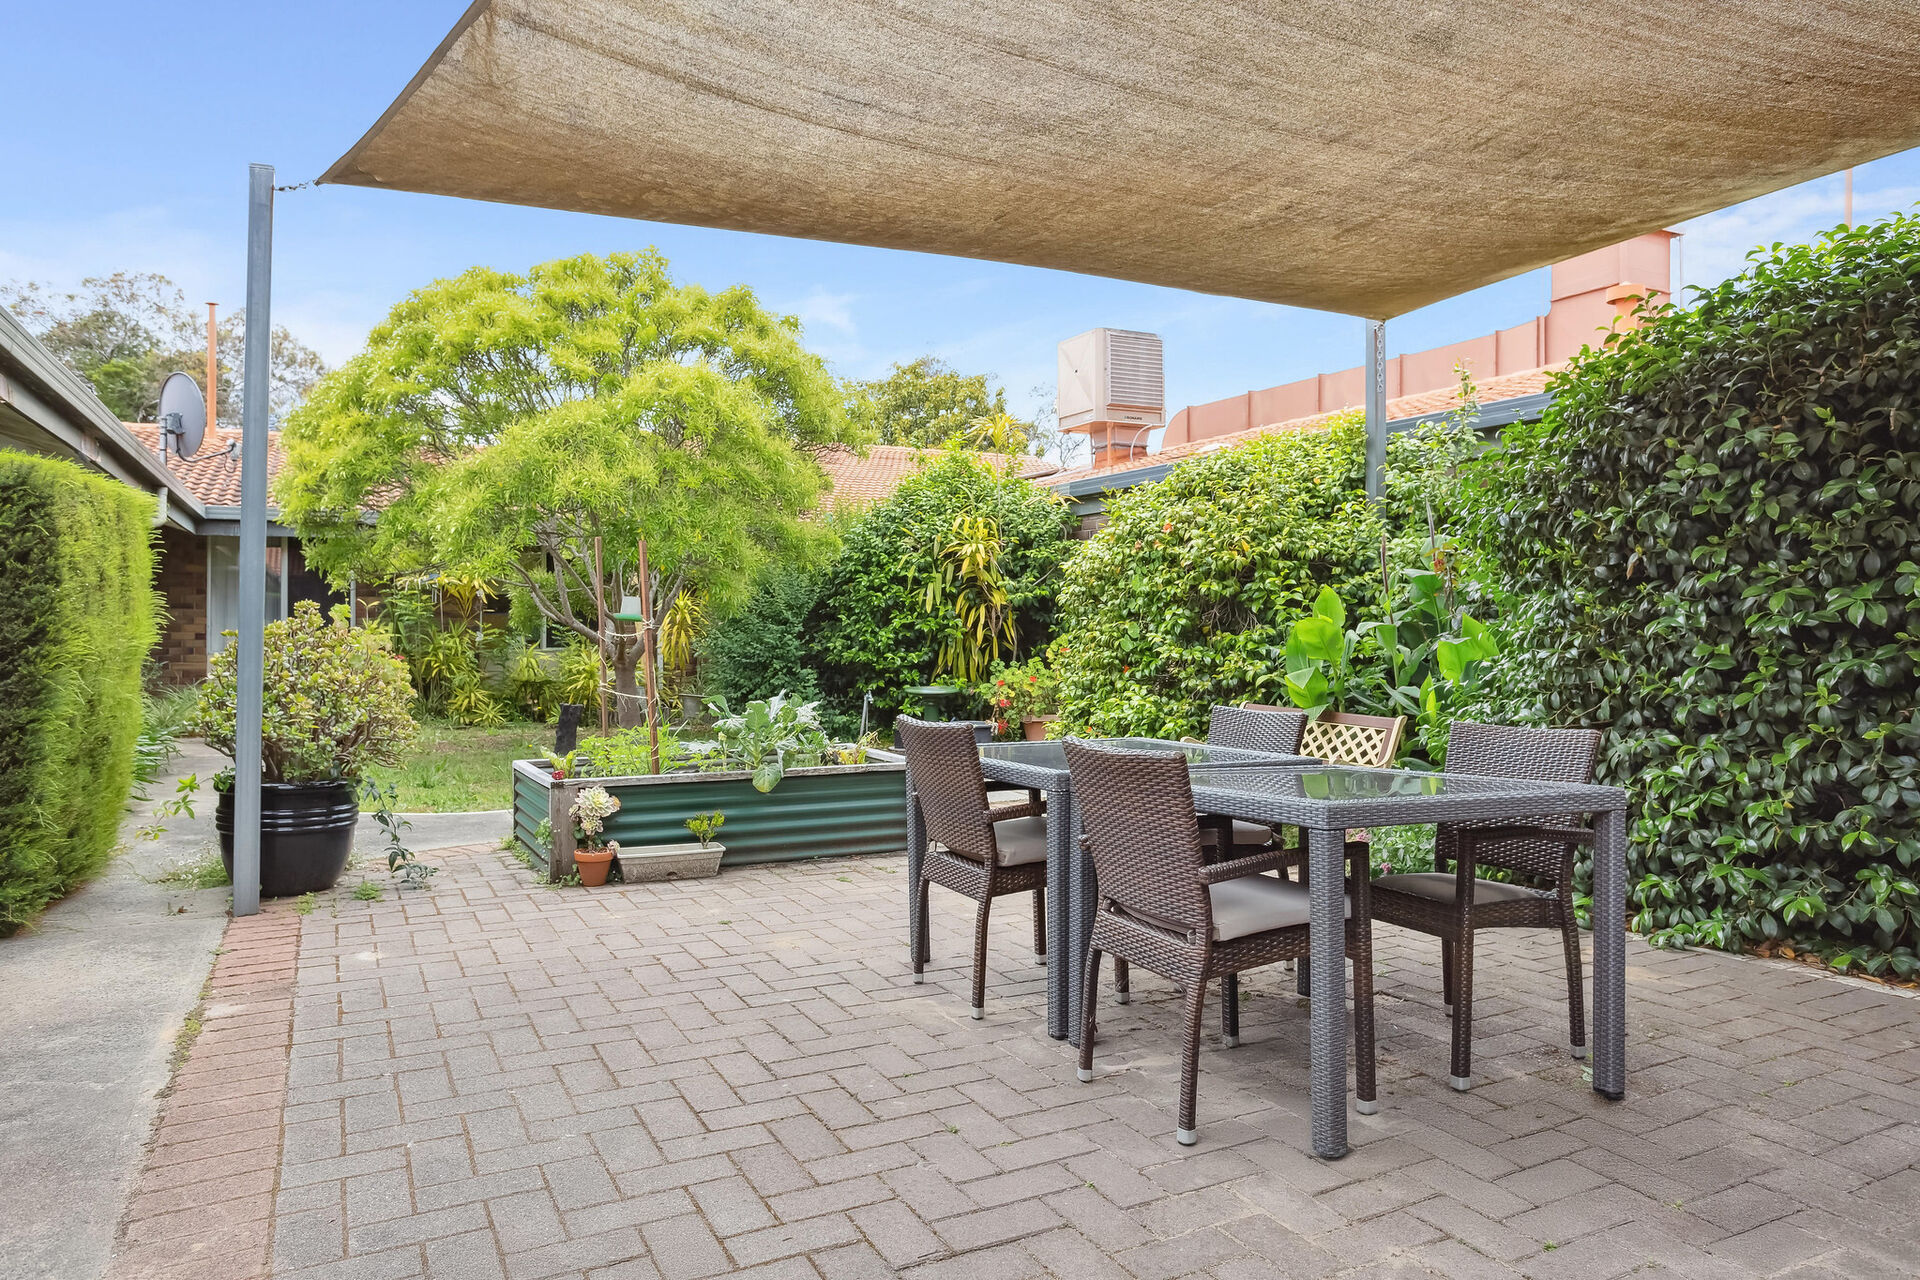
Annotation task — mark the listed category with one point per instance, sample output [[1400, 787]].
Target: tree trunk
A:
[[630, 708]]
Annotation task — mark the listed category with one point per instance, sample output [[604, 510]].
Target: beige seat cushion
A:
[[1255, 904], [1021, 841], [1438, 886]]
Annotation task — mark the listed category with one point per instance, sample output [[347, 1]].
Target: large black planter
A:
[[306, 835]]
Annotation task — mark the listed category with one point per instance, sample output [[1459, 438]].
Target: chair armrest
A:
[[1005, 812], [1239, 867], [1526, 831]]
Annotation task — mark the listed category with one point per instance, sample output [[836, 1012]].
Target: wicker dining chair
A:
[[1248, 727], [1162, 907], [1453, 905], [982, 850]]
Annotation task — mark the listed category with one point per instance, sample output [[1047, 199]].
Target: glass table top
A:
[[1335, 784], [1053, 755]]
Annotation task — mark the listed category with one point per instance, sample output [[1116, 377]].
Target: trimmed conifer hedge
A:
[[1714, 540], [77, 616]]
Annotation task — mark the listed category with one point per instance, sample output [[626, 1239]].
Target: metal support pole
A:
[[646, 653], [251, 658], [1376, 409]]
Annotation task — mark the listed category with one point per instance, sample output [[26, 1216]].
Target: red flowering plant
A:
[[1019, 691]]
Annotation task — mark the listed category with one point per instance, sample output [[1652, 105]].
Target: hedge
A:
[[1184, 597], [1713, 537], [77, 616]]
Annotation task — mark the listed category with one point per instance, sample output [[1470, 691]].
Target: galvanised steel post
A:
[[253, 544], [1376, 409]]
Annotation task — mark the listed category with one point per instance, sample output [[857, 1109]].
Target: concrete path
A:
[[92, 999]]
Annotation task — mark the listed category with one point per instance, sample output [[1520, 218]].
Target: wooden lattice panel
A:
[[1358, 744]]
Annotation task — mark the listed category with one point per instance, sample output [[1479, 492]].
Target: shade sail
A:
[[1364, 156]]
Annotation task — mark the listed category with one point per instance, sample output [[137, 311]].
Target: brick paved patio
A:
[[738, 1077]]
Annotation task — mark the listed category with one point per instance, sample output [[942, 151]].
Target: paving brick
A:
[[500, 1080]]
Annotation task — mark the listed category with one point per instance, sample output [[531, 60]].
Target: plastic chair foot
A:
[[1460, 1083], [1232, 1042], [977, 1013], [1040, 958], [1086, 1076], [1579, 1051], [1122, 997], [919, 979], [1366, 1108], [1186, 1137]]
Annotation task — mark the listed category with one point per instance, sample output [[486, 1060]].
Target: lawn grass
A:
[[456, 768]]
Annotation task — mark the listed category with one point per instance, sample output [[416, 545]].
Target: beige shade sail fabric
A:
[[1361, 156]]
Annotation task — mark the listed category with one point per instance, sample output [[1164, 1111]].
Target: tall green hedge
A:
[[1714, 540], [1183, 598], [77, 616]]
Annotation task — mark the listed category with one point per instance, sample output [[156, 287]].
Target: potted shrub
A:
[[591, 809], [1026, 695], [335, 702]]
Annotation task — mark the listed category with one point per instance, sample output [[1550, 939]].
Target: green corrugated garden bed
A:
[[824, 812]]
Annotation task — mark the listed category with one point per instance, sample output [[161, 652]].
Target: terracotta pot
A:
[[592, 865], [1035, 727]]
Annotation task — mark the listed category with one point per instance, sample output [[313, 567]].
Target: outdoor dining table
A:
[[1327, 801]]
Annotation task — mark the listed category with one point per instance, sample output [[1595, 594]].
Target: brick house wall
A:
[[182, 652]]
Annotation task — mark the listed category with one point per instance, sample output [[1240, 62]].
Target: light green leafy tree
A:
[[500, 422], [926, 403]]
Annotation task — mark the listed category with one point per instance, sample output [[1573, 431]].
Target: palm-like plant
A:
[[967, 597]]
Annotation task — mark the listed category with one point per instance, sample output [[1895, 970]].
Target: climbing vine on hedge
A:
[[1713, 535]]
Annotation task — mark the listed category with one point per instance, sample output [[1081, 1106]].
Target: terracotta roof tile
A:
[[1505, 387], [857, 481], [210, 475]]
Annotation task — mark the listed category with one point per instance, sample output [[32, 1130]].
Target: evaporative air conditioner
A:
[[1111, 375]]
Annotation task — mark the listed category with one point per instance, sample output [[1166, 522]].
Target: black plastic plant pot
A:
[[306, 835]]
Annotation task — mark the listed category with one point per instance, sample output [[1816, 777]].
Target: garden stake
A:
[[600, 636], [646, 653]]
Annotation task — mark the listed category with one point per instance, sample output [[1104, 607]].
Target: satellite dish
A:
[[183, 415]]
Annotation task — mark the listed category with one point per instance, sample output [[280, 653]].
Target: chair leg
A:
[[925, 951], [1463, 1012], [1039, 926], [1576, 1002], [1121, 992], [1230, 1009], [1089, 997], [1446, 972], [979, 1009], [1187, 1132]]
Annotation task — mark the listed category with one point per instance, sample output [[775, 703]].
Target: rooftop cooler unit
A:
[[1112, 375]]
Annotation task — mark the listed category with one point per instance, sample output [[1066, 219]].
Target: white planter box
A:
[[647, 863]]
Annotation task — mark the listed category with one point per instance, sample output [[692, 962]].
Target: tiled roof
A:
[[857, 480], [1506, 387], [211, 475]]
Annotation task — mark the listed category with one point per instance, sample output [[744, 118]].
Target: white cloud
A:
[[1715, 245]]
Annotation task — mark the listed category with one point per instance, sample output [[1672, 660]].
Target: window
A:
[[223, 587]]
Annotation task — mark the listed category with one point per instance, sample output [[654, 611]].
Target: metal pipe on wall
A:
[[251, 659]]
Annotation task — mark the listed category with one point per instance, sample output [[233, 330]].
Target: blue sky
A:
[[131, 126]]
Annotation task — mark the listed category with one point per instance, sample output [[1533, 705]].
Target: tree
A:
[[925, 403], [124, 333], [501, 422]]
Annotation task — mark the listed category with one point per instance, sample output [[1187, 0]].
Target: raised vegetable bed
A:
[[821, 812]]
